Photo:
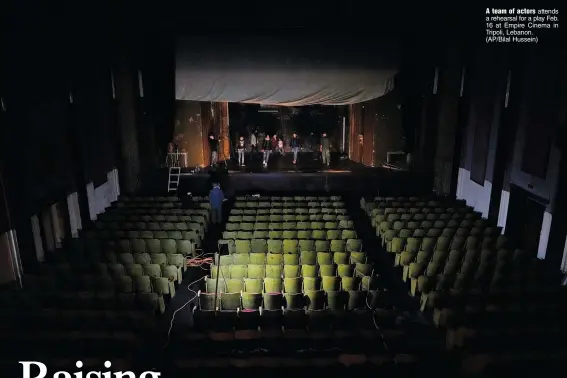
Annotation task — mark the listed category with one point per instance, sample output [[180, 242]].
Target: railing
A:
[[173, 159]]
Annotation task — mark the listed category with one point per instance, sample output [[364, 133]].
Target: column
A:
[[355, 131], [449, 94], [224, 133], [126, 82]]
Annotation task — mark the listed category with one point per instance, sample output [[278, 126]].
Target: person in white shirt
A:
[[253, 141], [241, 148]]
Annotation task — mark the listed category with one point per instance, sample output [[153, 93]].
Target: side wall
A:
[[510, 136]]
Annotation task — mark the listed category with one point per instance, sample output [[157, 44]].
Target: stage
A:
[[281, 176]]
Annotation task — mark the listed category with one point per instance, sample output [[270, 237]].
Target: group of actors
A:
[[269, 146]]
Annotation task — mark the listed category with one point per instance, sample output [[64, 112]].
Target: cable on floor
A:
[[181, 308]]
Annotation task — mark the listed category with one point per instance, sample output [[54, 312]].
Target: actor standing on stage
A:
[[325, 149], [294, 145], [253, 141], [275, 143], [267, 149], [241, 148], [214, 146]]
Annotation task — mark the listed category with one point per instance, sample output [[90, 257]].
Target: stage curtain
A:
[[221, 128], [251, 70], [188, 133], [355, 129], [206, 128], [369, 119]]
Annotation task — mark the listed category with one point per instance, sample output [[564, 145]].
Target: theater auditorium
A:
[[408, 220]]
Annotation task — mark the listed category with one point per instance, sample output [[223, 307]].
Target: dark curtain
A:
[[37, 155], [4, 209], [159, 93], [92, 92], [542, 119]]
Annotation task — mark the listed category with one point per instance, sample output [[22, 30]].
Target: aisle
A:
[[420, 328], [186, 292], [383, 263]]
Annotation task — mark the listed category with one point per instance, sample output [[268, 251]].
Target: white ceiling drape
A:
[[285, 72]]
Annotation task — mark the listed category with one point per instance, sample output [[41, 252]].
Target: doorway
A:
[[524, 219]]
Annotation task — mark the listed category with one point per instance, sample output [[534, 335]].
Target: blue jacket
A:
[[216, 197]]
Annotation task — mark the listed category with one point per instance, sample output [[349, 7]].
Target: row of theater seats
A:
[[185, 247], [269, 202], [300, 198], [317, 237], [295, 282], [151, 227], [293, 258], [172, 265], [150, 290], [277, 216], [152, 199], [285, 246], [200, 204], [123, 213], [300, 234], [154, 226], [261, 225], [291, 214], [294, 269], [297, 208], [184, 242], [310, 277], [472, 284]]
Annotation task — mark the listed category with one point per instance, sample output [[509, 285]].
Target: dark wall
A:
[[488, 90], [388, 130], [93, 114], [58, 127], [158, 105], [534, 164], [36, 146]]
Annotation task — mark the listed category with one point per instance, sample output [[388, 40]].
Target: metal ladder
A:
[[173, 180]]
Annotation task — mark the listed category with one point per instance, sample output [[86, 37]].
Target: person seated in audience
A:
[[216, 199]]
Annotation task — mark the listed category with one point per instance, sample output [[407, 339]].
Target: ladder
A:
[[173, 180]]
